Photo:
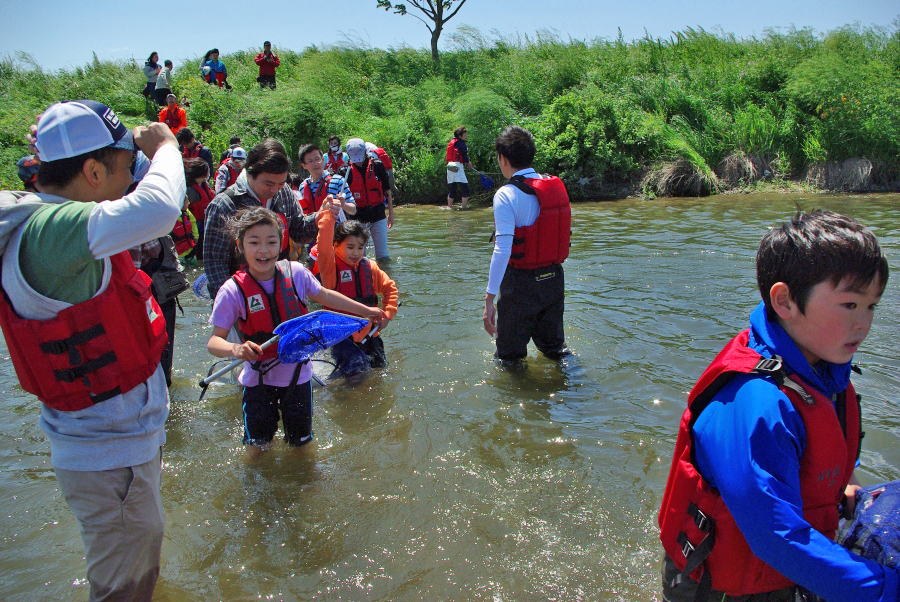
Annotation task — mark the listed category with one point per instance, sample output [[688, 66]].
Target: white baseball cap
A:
[[71, 128], [239, 153], [356, 149]]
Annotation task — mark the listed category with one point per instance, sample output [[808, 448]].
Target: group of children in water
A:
[[267, 291]]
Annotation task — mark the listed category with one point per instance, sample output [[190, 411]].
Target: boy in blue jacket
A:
[[763, 464]]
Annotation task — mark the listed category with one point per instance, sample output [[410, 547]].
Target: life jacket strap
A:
[[69, 345]]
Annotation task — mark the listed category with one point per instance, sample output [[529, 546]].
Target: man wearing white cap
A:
[[84, 333], [370, 186], [228, 172]]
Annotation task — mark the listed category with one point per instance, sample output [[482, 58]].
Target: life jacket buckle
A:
[[703, 522], [687, 549], [769, 364]]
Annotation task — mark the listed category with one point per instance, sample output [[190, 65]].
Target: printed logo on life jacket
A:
[[255, 304], [111, 118], [357, 195], [151, 313], [346, 276], [830, 475]]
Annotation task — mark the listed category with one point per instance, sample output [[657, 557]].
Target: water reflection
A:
[[444, 476]]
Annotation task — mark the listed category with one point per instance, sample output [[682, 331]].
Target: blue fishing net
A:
[[874, 531], [199, 287], [301, 337], [486, 182]]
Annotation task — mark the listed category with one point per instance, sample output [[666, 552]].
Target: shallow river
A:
[[444, 477]]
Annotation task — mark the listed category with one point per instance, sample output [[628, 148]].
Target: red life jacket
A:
[[546, 241], [697, 530], [265, 311], [93, 350], [191, 153], [313, 202], [368, 191], [335, 161], [384, 157], [453, 153], [183, 235], [233, 173], [198, 208]]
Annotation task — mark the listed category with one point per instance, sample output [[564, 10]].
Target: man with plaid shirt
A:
[[261, 183]]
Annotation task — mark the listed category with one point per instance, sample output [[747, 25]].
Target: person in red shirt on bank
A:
[[173, 116], [267, 62]]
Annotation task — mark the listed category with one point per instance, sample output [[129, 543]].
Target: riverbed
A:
[[444, 476]]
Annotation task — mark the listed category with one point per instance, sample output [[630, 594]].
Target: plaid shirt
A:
[[219, 248]]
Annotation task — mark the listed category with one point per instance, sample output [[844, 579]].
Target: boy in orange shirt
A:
[[343, 268]]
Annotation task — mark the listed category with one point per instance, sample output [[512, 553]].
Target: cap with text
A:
[[71, 128]]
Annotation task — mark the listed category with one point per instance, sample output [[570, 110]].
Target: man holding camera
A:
[[267, 62]]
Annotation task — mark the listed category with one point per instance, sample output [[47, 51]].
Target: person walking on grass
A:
[[172, 115], [164, 84]]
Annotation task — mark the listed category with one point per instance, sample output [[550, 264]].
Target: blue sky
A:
[[62, 34]]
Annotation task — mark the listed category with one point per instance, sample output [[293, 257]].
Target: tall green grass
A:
[[599, 109]]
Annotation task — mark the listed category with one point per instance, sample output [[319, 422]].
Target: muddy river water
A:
[[444, 477]]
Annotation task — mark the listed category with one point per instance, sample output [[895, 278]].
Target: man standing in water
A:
[[84, 334], [532, 222]]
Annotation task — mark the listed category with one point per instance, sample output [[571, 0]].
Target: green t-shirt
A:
[[54, 255]]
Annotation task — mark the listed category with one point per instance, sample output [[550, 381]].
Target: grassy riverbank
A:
[[694, 113]]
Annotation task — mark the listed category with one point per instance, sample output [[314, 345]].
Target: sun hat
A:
[[356, 149], [239, 153], [71, 128]]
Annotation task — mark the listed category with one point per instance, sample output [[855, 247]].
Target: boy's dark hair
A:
[[168, 63], [351, 227], [268, 156], [184, 136], [61, 172], [815, 247], [194, 168], [517, 145], [235, 140], [306, 149], [244, 219], [209, 52], [459, 131]]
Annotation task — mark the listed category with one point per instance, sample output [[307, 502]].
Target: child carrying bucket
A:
[[256, 299]]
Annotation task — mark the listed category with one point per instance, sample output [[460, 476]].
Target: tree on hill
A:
[[438, 12]]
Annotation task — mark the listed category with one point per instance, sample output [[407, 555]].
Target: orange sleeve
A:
[[325, 244], [162, 118], [388, 289]]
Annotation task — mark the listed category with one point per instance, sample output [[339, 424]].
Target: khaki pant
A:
[[121, 518]]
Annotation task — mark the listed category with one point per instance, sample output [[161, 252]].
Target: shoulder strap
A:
[[519, 182]]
